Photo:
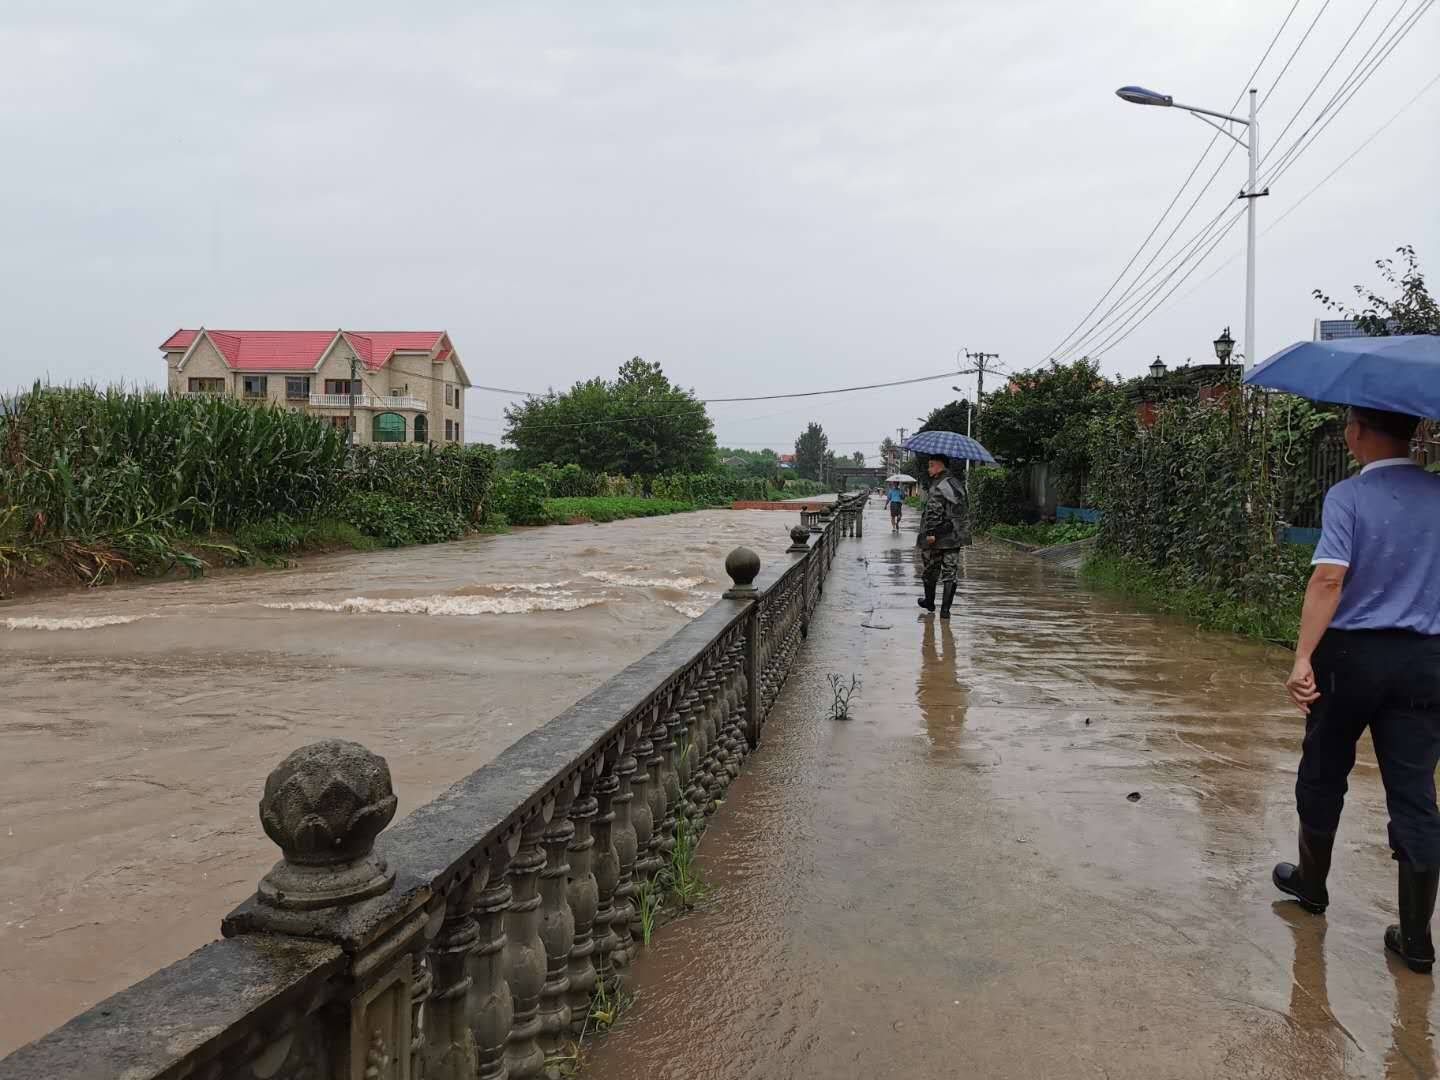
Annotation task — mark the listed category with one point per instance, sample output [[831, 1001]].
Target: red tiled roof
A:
[[290, 350]]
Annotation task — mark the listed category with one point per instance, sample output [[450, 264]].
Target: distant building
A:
[[409, 386], [1335, 329]]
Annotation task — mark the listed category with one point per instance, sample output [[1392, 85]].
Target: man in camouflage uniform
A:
[[944, 530]]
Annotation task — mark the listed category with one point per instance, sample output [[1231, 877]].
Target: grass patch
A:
[[1061, 532], [610, 508], [1276, 619]]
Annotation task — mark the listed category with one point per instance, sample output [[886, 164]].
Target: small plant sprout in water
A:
[[680, 879], [841, 695]]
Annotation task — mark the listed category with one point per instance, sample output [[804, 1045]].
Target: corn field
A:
[[108, 481]]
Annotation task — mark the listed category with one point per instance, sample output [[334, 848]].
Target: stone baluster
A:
[[524, 949], [659, 764], [625, 852], [451, 1050], [584, 897], [557, 921], [727, 763], [493, 1009], [674, 781], [739, 701], [696, 793], [642, 810], [689, 711], [422, 985], [606, 864]]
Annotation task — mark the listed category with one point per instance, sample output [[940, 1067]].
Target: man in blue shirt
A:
[[1369, 656], [897, 499]]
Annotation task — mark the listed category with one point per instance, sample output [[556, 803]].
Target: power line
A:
[[1180, 191], [1349, 87], [1326, 179]]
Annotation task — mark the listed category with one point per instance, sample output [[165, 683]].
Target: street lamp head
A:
[[1138, 95], [1157, 368], [1224, 346]]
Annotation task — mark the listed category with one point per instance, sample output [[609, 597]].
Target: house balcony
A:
[[202, 394], [368, 401]]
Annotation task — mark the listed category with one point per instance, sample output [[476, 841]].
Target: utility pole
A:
[[353, 362], [982, 365]]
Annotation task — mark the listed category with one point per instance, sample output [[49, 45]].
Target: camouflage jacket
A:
[[947, 514]]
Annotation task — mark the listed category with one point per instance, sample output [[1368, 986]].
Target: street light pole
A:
[[1250, 196], [1138, 95]]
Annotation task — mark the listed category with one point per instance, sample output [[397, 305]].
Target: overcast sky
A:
[[763, 197]]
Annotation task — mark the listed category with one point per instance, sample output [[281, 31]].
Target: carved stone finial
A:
[[743, 565], [799, 539], [324, 806]]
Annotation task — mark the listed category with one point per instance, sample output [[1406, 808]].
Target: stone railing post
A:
[[659, 765], [324, 805], [524, 949]]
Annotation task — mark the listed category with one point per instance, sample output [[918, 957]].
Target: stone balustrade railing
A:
[[467, 940]]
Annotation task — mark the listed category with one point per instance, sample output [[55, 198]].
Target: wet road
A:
[[957, 883], [137, 724]]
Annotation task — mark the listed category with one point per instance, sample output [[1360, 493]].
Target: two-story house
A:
[[404, 386]]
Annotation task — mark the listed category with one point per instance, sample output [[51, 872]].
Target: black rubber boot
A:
[[946, 601], [1306, 882], [1411, 939], [928, 601]]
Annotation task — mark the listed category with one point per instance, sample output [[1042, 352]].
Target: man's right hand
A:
[[1301, 685], [930, 540]]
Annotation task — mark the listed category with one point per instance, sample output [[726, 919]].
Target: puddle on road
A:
[[956, 883]]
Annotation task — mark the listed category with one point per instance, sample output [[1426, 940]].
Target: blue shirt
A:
[[1384, 526], [895, 495]]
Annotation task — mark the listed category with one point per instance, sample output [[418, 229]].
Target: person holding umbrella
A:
[[1368, 653], [944, 530], [945, 521]]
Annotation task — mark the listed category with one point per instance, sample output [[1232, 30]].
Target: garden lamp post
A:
[[1138, 95], [1224, 346], [1157, 369]]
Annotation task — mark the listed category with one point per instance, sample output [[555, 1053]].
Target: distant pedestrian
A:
[[897, 501], [1369, 656], [944, 530]]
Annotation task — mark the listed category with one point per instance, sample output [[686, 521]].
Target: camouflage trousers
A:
[[943, 565]]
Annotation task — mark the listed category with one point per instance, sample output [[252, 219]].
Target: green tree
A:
[[755, 464], [640, 424], [889, 453], [858, 458], [1413, 311], [811, 449]]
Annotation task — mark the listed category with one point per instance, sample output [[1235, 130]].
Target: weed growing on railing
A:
[[841, 695], [680, 877], [608, 1007], [649, 899]]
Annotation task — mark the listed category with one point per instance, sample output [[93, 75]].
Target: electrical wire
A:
[[1349, 87], [1180, 191]]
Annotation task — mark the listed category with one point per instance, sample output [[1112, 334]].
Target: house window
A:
[[457, 430], [341, 422], [388, 427], [256, 385], [207, 386], [341, 387], [422, 429], [449, 430], [457, 405], [297, 387]]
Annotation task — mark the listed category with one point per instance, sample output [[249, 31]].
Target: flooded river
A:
[[1040, 848], [137, 723]]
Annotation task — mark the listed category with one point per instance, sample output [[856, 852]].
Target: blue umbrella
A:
[[948, 444], [1398, 374]]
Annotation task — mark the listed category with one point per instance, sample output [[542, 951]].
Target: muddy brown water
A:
[[137, 724], [956, 882]]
